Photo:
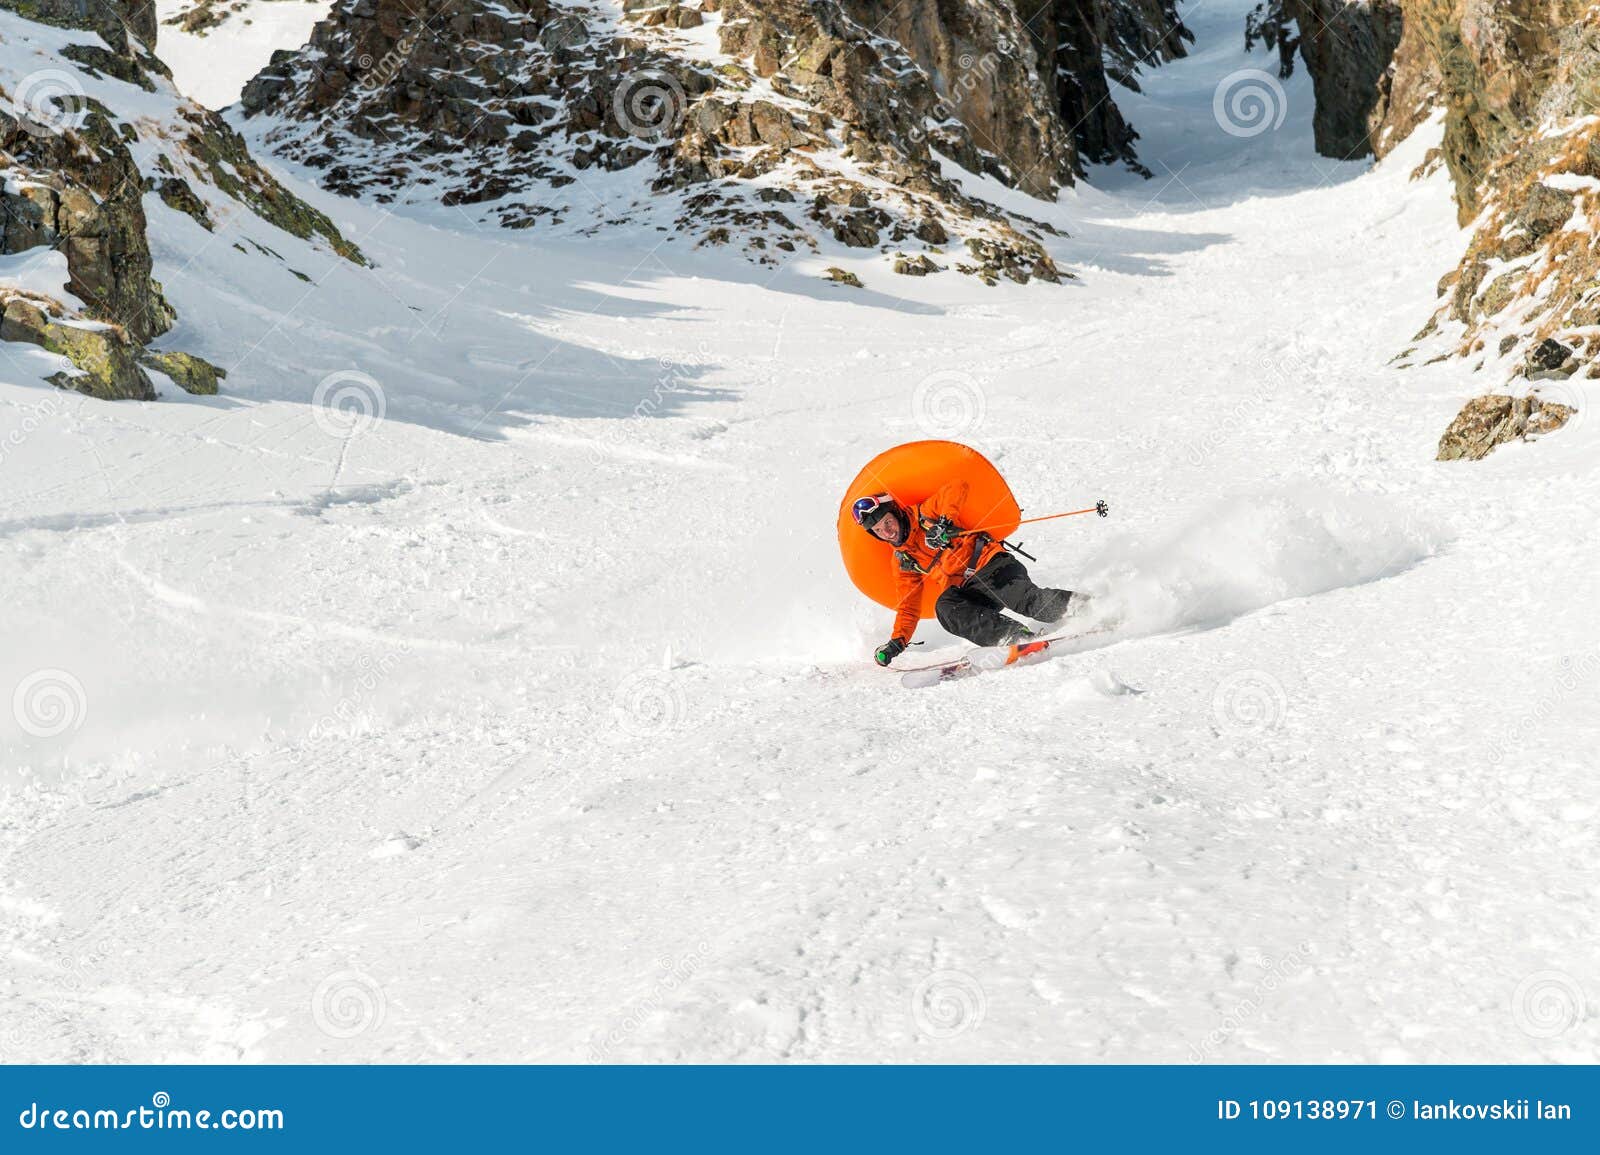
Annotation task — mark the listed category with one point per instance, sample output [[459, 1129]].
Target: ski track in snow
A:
[[537, 720]]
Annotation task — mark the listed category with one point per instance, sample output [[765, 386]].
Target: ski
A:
[[988, 658], [979, 660]]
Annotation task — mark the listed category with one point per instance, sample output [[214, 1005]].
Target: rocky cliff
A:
[[1518, 84], [77, 172], [772, 125], [1095, 43], [1373, 83]]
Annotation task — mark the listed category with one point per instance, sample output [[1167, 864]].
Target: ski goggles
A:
[[865, 507]]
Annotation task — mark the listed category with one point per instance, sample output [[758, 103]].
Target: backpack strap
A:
[[980, 542]]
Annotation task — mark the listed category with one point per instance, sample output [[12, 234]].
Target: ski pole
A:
[[1099, 507]]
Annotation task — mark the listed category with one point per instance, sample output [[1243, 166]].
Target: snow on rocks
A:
[[90, 133], [770, 128]]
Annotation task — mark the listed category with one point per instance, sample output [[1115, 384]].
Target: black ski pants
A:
[[972, 611]]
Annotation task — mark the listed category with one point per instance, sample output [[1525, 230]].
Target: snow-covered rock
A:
[[92, 133], [774, 126]]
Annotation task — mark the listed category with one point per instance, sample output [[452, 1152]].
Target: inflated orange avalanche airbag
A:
[[912, 473]]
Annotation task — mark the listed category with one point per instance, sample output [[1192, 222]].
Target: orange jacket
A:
[[946, 567]]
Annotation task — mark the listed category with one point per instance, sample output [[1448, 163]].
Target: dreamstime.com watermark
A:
[[1275, 975], [1547, 1004], [160, 1115], [948, 1003], [348, 718], [1249, 102], [650, 105], [1279, 373], [648, 704], [70, 976], [33, 417], [1249, 704], [377, 73], [49, 703], [1575, 675], [342, 716], [970, 72], [347, 403], [50, 102], [674, 975], [673, 377], [948, 404], [348, 1004]]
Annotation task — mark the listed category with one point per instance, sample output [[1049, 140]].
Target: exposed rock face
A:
[[1411, 88], [983, 66], [84, 195], [1135, 32], [192, 374], [1526, 155], [112, 19], [1348, 49], [1519, 83], [105, 358], [1370, 93], [205, 15], [1497, 63], [226, 164], [1487, 422], [917, 266], [1097, 42], [77, 188], [74, 184], [1379, 65], [1271, 25], [830, 121], [882, 72]]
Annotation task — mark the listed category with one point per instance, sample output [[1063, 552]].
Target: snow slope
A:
[[213, 66], [535, 720]]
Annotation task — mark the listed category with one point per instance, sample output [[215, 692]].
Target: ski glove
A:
[[889, 651]]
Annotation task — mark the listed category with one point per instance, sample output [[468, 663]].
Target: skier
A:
[[977, 575]]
